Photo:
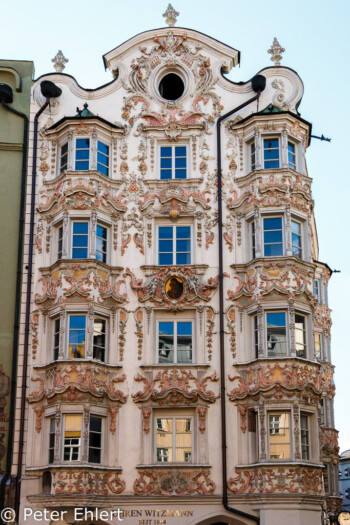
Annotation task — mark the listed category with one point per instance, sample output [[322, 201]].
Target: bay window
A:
[[103, 158], [296, 239], [277, 339], [305, 436], [64, 157], [80, 343]]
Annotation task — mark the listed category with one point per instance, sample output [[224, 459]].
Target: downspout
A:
[[7, 474], [49, 90], [258, 85]]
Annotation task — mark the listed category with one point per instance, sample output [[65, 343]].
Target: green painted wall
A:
[[18, 75]]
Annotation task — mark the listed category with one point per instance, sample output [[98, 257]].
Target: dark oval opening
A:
[[171, 87]]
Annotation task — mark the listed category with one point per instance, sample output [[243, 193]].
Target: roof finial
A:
[[276, 51], [59, 62], [170, 16]]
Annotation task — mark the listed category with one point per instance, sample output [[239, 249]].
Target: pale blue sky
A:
[[315, 34]]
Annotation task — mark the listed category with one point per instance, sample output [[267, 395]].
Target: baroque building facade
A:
[[174, 296]]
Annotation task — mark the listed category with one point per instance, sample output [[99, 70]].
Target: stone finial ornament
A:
[[59, 62], [276, 52], [170, 16]]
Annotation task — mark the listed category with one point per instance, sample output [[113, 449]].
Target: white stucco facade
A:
[[123, 407]]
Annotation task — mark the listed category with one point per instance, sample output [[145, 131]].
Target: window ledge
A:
[[289, 463], [281, 258], [150, 269], [71, 466], [280, 358], [174, 365], [173, 465], [90, 263], [183, 182], [71, 361], [86, 173]]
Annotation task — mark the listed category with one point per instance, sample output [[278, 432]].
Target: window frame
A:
[[282, 230], [292, 165], [300, 235], [106, 336], [89, 149], [108, 156], [173, 157], [278, 159], [304, 335], [175, 349], [68, 330], [71, 446], [72, 234], [306, 432], [63, 166], [279, 412], [100, 433], [174, 239], [174, 433]]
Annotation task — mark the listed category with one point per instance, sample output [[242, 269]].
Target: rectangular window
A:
[[326, 479], [56, 338], [77, 336], [52, 440], [318, 346], [305, 436], [174, 245], [322, 411], [102, 158], [300, 335], [80, 241], [252, 156], [60, 242], [296, 239], [273, 237], [175, 341], [101, 243], [99, 347], [95, 439], [317, 289], [276, 334], [174, 440], [256, 337], [173, 162], [279, 435], [253, 240], [271, 153], [291, 156], [64, 157], [82, 154], [72, 437]]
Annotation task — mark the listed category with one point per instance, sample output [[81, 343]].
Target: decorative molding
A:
[[179, 483]]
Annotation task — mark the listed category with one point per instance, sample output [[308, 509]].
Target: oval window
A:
[[171, 87]]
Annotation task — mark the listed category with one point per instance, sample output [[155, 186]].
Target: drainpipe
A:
[[6, 476], [49, 90], [258, 85]]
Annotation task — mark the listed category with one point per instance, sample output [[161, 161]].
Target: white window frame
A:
[[60, 156], [86, 137], [292, 166], [192, 251], [174, 418], [82, 451], [106, 320], [175, 321], [271, 137], [277, 216], [278, 412], [173, 146], [307, 430], [71, 236], [300, 235], [108, 157], [71, 446], [66, 346]]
